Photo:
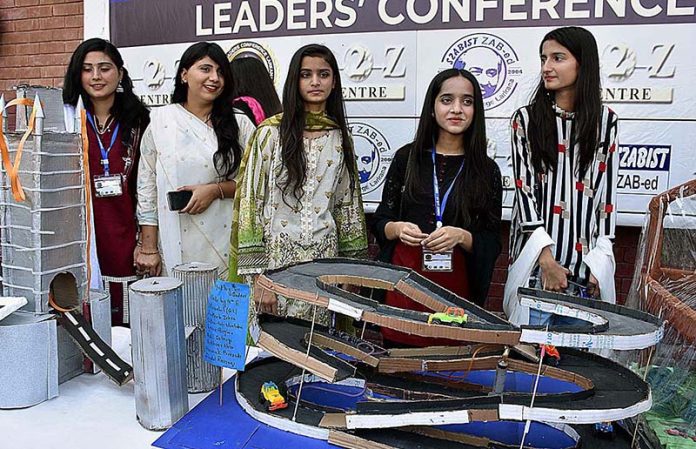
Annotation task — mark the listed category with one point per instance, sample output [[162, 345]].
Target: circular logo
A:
[[491, 60], [372, 153], [251, 49]]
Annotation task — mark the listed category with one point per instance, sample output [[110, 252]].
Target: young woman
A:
[[564, 155], [193, 145], [299, 196], [443, 196], [115, 122], [253, 92]]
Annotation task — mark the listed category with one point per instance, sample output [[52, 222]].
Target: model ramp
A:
[[320, 283], [491, 391]]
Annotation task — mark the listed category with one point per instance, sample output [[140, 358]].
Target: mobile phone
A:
[[178, 199]]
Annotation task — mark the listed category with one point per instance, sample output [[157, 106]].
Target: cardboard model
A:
[[354, 394], [43, 215]]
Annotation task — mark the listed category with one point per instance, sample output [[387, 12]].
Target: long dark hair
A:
[[127, 108], [251, 79], [588, 103], [229, 152], [472, 189], [292, 124]]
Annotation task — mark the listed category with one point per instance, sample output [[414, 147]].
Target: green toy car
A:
[[454, 316]]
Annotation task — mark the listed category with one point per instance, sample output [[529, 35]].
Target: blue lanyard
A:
[[104, 152], [440, 209]]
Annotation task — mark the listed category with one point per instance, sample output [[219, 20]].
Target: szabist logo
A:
[[645, 157], [643, 168], [246, 49], [372, 153], [492, 61]]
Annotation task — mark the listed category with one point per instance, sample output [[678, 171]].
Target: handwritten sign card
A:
[[226, 325]]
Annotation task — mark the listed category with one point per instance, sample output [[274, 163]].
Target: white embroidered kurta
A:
[[177, 150], [327, 221]]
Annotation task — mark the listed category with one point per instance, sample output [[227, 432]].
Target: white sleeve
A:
[[146, 211]]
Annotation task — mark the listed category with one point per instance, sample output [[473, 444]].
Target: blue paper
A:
[[226, 325], [213, 426]]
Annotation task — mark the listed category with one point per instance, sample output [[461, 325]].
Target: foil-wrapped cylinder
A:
[[100, 318], [198, 278], [28, 360], [159, 351]]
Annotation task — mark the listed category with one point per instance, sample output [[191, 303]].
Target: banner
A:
[[173, 21], [388, 51]]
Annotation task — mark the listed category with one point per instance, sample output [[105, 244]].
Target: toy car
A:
[[454, 316], [551, 355], [605, 429], [271, 398]]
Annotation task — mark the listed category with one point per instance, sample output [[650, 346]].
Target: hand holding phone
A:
[[178, 199]]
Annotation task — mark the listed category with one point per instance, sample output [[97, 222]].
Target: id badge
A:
[[437, 261], [106, 186]]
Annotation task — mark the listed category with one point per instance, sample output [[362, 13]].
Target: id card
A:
[[106, 186], [437, 261]]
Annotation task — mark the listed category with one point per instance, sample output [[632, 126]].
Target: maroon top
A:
[[455, 281], [114, 217]]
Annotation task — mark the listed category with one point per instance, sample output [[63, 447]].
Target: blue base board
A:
[[210, 426]]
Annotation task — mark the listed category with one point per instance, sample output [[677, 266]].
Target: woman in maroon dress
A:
[[115, 121], [442, 199]]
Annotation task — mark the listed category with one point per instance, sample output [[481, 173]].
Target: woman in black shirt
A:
[[460, 225]]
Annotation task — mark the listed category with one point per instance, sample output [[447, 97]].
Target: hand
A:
[[593, 286], [409, 233], [136, 252], [554, 277], [147, 264], [268, 303], [444, 239], [203, 196]]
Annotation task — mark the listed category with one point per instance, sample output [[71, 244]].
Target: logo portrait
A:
[[372, 154], [492, 61]]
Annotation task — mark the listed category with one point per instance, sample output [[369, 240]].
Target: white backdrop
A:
[[647, 77]]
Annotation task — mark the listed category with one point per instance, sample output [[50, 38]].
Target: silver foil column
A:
[[46, 234], [198, 278], [159, 351], [28, 360]]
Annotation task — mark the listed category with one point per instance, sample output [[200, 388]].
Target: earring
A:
[[119, 88]]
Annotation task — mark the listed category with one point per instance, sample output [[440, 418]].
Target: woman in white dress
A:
[[195, 145]]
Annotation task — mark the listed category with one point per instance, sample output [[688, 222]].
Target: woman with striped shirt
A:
[[564, 158]]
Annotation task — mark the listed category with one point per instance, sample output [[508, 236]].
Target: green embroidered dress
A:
[[270, 232]]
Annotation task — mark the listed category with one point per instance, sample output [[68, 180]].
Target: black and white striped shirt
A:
[[574, 212]]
